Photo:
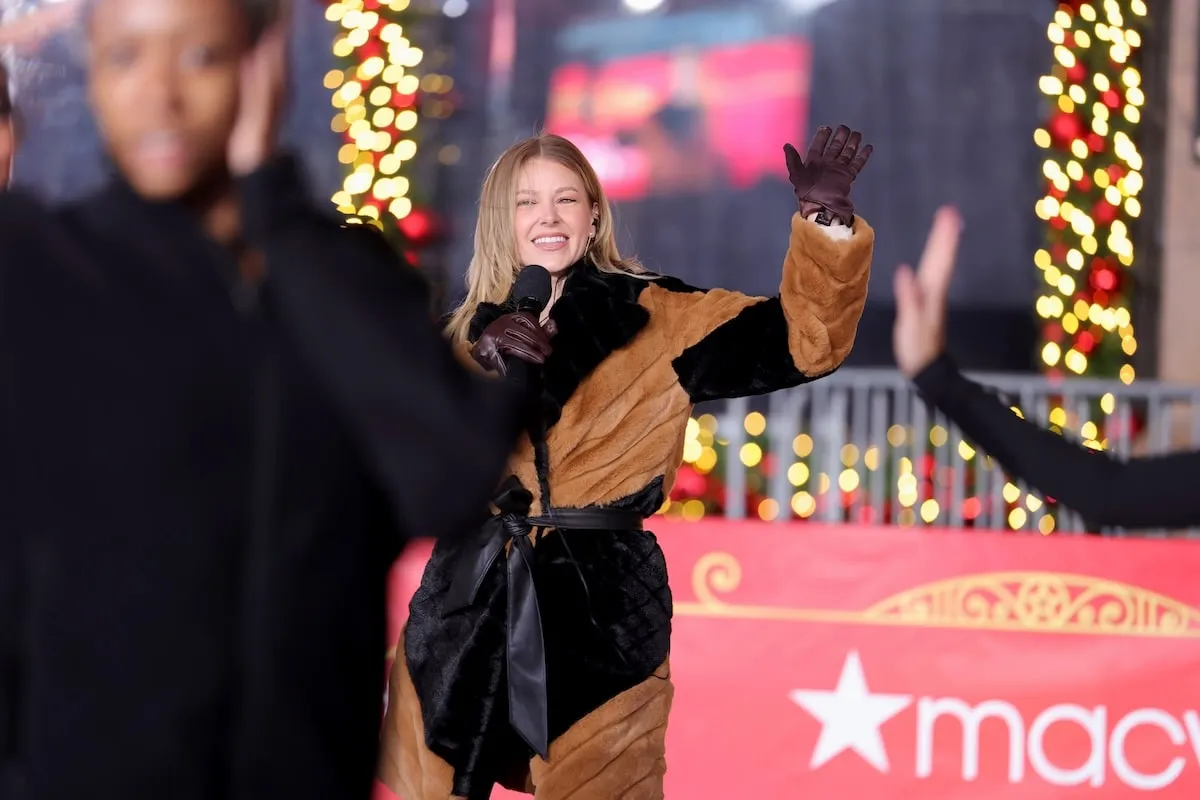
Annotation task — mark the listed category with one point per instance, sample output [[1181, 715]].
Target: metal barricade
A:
[[860, 446]]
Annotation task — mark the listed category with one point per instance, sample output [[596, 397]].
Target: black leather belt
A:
[[527, 700]]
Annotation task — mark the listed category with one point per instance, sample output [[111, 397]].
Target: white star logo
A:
[[850, 716]]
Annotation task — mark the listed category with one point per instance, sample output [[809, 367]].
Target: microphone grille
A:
[[533, 283]]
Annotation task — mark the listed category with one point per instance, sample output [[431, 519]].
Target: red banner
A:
[[880, 662]]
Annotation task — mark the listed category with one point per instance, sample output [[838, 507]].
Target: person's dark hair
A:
[[259, 14]]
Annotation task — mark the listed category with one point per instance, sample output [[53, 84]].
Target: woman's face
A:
[[553, 217], [163, 80]]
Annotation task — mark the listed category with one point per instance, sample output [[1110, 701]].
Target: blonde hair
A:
[[495, 263]]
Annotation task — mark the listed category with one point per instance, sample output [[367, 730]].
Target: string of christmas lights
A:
[[375, 94], [906, 480], [380, 101], [1093, 173]]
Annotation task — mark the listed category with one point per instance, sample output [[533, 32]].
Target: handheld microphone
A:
[[531, 293]]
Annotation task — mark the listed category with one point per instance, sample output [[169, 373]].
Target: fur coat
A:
[[632, 356]]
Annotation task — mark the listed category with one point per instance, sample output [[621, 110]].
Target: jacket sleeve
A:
[[436, 435], [1156, 492], [724, 344], [12, 559], [24, 227]]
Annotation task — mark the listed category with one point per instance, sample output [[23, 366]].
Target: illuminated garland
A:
[[380, 101], [909, 461], [1093, 173]]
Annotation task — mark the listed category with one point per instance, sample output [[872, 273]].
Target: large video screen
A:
[[685, 114], [685, 120]]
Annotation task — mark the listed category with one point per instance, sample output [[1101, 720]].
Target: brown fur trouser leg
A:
[[617, 752], [406, 765]]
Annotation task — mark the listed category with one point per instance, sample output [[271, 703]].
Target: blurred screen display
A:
[[684, 114], [685, 120]]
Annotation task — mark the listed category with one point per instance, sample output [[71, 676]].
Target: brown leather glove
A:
[[515, 335], [822, 180]]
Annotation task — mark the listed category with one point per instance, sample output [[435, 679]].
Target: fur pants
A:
[[617, 752]]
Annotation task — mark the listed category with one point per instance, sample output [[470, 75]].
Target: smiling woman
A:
[[555, 222], [542, 188], [536, 653]]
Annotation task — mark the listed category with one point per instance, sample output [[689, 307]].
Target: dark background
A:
[[945, 89]]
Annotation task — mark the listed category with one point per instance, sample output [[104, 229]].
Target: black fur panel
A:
[[746, 355], [646, 502], [485, 314], [675, 285], [606, 617], [597, 314]]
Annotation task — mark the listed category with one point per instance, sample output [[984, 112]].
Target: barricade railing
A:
[[860, 446]]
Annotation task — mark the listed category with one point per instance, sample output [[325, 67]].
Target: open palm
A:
[[264, 83], [920, 332]]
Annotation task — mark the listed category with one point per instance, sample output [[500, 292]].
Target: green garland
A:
[[1093, 174], [379, 100]]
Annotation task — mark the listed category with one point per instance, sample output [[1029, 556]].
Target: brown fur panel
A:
[[687, 317], [406, 765], [618, 750], [823, 292], [623, 426]]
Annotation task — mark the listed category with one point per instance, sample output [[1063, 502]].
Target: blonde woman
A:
[[536, 652]]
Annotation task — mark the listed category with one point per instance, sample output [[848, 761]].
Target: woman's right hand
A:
[[920, 333], [515, 335]]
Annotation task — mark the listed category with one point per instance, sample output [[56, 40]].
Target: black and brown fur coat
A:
[[631, 358]]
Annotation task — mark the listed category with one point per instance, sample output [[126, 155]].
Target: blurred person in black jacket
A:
[[221, 414]]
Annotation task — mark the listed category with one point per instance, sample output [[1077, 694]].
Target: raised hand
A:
[[263, 96], [515, 335], [822, 179], [920, 332]]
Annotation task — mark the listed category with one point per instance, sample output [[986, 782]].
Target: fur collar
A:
[[597, 314]]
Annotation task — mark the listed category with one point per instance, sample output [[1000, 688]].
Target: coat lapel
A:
[[597, 314]]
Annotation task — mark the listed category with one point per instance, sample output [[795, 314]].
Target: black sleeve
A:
[[1156, 492], [436, 436], [746, 355], [735, 346], [24, 226], [11, 558]]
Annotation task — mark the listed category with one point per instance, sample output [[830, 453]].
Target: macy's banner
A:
[[827, 662]]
